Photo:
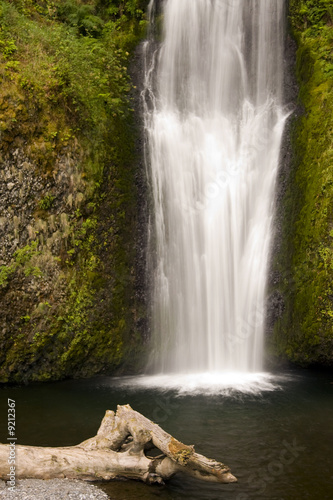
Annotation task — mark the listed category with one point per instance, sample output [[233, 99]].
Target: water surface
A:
[[278, 442]]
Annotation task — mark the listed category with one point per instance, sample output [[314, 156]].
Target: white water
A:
[[214, 122], [224, 383]]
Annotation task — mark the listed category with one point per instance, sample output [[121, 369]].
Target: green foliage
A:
[[5, 273], [73, 55], [80, 16], [132, 8], [46, 202], [312, 14], [22, 261], [24, 255], [7, 47]]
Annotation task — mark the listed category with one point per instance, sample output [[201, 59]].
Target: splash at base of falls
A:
[[219, 383]]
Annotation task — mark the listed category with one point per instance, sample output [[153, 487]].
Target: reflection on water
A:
[[277, 442]]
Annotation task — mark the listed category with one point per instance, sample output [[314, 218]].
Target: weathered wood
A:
[[119, 450]]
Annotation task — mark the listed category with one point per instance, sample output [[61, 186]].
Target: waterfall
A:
[[214, 120]]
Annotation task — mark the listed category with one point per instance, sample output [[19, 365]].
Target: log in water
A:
[[214, 119]]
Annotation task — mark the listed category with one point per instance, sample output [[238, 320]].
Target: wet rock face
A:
[[72, 259], [36, 210], [276, 301], [36, 205], [142, 281], [72, 264]]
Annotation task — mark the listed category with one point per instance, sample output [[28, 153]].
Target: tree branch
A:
[[117, 451]]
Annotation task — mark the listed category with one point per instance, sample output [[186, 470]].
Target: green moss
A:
[[305, 333]]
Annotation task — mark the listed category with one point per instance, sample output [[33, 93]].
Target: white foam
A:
[[225, 383]]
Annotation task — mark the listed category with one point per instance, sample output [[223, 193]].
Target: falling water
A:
[[214, 122]]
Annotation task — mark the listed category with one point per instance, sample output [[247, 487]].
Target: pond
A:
[[277, 442]]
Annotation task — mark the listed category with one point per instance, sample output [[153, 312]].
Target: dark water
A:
[[278, 444]]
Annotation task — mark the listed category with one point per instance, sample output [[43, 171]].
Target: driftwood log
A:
[[127, 445]]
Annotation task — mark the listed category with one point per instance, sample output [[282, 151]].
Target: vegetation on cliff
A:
[[68, 187], [305, 332]]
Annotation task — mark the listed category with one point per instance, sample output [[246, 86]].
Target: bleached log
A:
[[119, 450]]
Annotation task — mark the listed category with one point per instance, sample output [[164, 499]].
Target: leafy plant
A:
[[24, 255], [80, 16], [46, 202], [5, 273]]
